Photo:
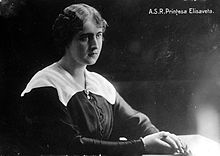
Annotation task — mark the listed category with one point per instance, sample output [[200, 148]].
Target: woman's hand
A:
[[163, 142]]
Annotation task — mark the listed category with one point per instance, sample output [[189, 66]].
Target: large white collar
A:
[[55, 76]]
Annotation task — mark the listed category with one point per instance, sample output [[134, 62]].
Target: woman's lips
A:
[[92, 54]]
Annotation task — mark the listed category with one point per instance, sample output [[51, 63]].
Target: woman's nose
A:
[[94, 43]]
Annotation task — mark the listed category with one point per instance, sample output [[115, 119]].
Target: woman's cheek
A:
[[82, 47]]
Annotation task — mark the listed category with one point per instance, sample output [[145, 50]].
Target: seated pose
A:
[[70, 110]]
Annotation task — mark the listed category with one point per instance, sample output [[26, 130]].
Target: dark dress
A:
[[61, 118]]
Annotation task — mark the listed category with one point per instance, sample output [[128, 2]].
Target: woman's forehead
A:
[[90, 26]]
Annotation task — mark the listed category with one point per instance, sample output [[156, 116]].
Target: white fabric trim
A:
[[55, 76]]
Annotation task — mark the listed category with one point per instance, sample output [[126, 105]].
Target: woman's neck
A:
[[76, 71]]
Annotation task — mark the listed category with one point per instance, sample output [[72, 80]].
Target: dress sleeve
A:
[[49, 128], [135, 124]]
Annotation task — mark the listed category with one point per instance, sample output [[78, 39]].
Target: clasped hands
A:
[[164, 143]]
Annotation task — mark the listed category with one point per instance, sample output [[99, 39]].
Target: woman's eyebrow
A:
[[85, 34], [89, 34], [99, 32]]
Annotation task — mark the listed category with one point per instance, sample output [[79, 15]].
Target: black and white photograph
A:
[[110, 77]]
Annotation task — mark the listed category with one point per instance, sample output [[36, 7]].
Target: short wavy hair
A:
[[71, 21]]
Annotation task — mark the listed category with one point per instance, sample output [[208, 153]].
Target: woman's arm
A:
[[49, 125], [135, 125], [131, 122]]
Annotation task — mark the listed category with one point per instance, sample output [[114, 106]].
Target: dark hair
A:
[[71, 21]]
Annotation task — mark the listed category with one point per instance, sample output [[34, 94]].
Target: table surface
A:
[[199, 146]]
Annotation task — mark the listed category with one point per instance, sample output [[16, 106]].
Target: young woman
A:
[[70, 110]]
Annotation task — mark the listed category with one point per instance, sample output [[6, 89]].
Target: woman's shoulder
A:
[[41, 79]]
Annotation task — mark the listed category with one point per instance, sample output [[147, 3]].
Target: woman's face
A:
[[86, 45]]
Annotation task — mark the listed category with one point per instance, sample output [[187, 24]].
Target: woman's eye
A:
[[84, 38], [99, 35]]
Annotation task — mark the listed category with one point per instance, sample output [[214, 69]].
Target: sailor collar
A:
[[58, 78]]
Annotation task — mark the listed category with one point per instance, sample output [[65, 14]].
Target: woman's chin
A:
[[91, 61]]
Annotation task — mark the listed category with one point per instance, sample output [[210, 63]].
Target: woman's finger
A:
[[163, 134], [178, 142], [171, 142], [164, 148]]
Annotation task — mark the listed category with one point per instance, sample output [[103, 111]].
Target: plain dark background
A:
[[164, 65]]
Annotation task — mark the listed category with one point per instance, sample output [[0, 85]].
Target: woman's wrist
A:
[[143, 143]]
